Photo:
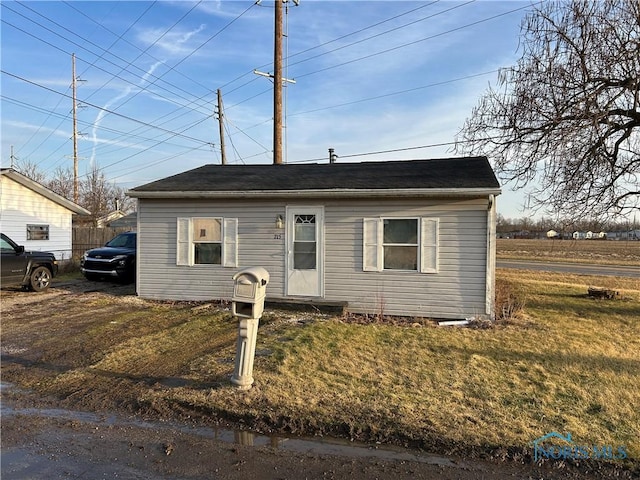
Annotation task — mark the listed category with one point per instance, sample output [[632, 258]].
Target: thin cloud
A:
[[173, 43]]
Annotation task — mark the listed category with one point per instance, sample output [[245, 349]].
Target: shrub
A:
[[510, 300]]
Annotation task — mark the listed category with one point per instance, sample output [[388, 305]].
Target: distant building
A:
[[623, 235]]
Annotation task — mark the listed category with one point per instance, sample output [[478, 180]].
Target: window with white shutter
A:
[[429, 245], [409, 244], [230, 243], [371, 245], [183, 250], [207, 241]]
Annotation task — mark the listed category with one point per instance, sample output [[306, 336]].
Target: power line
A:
[[400, 92], [165, 131], [192, 52], [386, 51], [361, 30], [385, 32], [119, 132], [106, 110], [393, 150], [122, 69], [379, 152], [155, 163], [430, 37]]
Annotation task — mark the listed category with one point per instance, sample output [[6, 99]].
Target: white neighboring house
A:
[[36, 217]]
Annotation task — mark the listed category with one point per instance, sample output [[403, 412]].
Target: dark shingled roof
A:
[[458, 173]]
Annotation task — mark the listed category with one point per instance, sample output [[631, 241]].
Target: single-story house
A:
[[36, 217], [128, 221], [408, 238], [107, 219]]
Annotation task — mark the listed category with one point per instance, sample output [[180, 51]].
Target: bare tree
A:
[[62, 182], [30, 169], [565, 120], [95, 194], [100, 197]]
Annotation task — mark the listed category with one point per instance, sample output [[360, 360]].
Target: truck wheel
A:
[[40, 279]]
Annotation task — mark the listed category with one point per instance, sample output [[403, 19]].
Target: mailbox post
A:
[[247, 304]]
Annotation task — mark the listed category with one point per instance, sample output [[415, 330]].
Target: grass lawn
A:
[[568, 364]]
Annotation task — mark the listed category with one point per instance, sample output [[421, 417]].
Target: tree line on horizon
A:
[[562, 225]]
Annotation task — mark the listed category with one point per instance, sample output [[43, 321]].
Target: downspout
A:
[[491, 259]]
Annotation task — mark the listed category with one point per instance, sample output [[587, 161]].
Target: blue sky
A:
[[370, 76]]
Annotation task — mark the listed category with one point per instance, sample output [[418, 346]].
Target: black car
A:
[[33, 270], [116, 260]]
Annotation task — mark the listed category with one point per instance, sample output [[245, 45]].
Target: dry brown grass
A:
[[607, 252], [567, 363]]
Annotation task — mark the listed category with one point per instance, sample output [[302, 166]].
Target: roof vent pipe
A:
[[332, 156]]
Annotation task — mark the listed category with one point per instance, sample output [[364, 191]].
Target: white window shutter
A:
[[371, 245], [183, 247], [429, 245], [230, 243]]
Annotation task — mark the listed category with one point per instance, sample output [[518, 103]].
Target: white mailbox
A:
[[249, 290]]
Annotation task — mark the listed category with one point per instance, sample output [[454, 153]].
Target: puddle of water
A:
[[323, 446]]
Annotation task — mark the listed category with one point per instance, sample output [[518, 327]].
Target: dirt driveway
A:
[[105, 433]]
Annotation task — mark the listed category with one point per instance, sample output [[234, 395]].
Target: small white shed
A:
[[36, 217]]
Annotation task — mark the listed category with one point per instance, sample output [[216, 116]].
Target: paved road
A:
[[579, 268]]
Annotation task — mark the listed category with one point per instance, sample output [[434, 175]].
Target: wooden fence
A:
[[85, 238]]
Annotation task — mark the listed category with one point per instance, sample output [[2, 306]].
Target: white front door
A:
[[305, 251]]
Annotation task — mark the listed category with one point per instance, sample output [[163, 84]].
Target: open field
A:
[[607, 252], [568, 364]]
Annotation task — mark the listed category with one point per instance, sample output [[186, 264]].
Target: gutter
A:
[[44, 191], [320, 193]]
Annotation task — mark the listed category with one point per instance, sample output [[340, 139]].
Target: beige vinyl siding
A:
[[160, 278], [457, 290]]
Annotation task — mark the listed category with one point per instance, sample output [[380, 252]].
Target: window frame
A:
[[38, 228], [427, 247], [299, 242], [415, 245], [195, 242], [185, 243]]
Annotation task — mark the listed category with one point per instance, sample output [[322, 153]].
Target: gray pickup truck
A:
[[32, 270]]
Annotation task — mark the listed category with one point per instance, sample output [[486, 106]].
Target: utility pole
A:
[[277, 85], [12, 158], [278, 80], [221, 126], [75, 129]]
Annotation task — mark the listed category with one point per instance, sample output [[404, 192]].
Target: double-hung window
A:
[[207, 241], [400, 244], [409, 244]]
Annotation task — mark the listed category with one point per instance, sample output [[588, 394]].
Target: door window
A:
[[304, 244]]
